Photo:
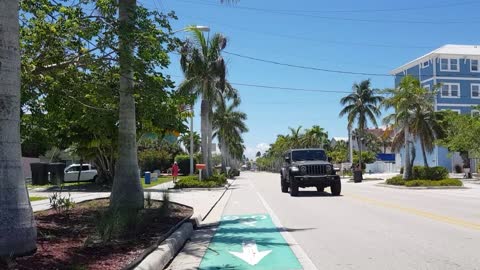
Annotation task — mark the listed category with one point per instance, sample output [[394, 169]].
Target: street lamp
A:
[[201, 28]]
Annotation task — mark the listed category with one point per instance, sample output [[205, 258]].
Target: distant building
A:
[[457, 69], [335, 140]]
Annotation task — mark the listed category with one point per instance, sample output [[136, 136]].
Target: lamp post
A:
[[201, 28]]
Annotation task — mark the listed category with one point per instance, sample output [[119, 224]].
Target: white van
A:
[[88, 173]]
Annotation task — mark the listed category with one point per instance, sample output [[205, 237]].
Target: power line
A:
[[289, 13], [429, 7], [307, 67]]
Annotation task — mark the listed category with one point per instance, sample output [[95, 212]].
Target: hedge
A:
[[193, 182], [429, 173], [432, 183], [396, 181], [183, 162]]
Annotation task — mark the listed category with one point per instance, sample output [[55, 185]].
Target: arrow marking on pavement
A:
[[250, 253]]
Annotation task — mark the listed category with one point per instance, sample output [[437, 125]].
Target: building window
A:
[[447, 64], [474, 66], [425, 64], [475, 113], [450, 90], [475, 87]]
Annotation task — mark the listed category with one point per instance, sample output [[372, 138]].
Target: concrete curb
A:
[[419, 188], [167, 250]]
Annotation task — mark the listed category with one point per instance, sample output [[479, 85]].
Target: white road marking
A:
[[302, 257], [250, 253]]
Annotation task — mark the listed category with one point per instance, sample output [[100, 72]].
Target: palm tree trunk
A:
[[407, 170], [127, 192], [204, 109], [424, 153], [210, 139], [17, 225]]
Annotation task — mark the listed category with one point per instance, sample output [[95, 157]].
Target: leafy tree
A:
[[360, 106], [17, 225], [259, 154], [461, 134]]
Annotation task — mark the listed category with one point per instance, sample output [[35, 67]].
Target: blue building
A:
[[457, 69]]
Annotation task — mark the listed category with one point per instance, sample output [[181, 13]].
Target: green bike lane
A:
[[249, 237]]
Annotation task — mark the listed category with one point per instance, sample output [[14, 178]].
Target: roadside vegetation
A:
[[425, 177], [93, 88]]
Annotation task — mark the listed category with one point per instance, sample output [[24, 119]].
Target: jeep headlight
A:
[[294, 169], [329, 169]]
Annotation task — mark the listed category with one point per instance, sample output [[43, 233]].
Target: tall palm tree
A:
[[205, 76], [408, 100], [360, 106], [426, 126], [127, 192], [229, 124], [17, 226]]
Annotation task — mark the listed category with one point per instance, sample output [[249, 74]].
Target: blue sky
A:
[[370, 36]]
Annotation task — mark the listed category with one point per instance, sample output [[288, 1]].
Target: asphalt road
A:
[[369, 227]]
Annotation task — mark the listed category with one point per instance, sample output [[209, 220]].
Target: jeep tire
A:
[[293, 188], [336, 188], [284, 185]]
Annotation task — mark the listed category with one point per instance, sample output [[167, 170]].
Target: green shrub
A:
[[430, 173], [150, 160], [450, 182], [396, 181], [218, 180], [401, 170], [183, 162], [434, 183]]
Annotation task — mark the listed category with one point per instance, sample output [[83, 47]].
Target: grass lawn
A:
[[51, 185], [33, 198], [160, 180]]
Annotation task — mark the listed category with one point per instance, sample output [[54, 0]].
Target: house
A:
[[457, 69], [384, 136]]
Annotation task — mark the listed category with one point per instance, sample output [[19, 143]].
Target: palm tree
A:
[[17, 225], [228, 125], [315, 137], [360, 106], [205, 70], [185, 139], [127, 192], [409, 100], [295, 137], [427, 128]]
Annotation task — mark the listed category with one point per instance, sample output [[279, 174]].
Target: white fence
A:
[[382, 167]]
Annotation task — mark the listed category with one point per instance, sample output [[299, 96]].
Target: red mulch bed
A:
[[62, 239]]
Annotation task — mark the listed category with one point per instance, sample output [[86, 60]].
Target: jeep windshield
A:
[[305, 155]]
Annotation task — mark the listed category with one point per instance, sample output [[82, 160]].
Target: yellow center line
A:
[[441, 218]]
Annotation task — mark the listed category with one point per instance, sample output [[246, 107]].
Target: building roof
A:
[[446, 50]]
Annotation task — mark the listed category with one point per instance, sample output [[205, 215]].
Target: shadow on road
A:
[[311, 193]]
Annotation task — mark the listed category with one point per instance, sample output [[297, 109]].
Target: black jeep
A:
[[308, 168]]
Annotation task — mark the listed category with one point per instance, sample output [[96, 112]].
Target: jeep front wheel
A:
[[336, 188], [284, 185], [293, 188]]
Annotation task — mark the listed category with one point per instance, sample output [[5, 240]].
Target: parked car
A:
[[87, 173]]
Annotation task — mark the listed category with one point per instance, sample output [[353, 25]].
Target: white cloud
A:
[[250, 152]]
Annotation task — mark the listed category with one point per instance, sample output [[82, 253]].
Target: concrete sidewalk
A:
[[202, 201]]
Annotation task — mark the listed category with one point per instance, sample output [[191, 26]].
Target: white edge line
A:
[[302, 257]]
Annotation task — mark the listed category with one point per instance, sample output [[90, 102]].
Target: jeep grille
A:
[[316, 169]]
